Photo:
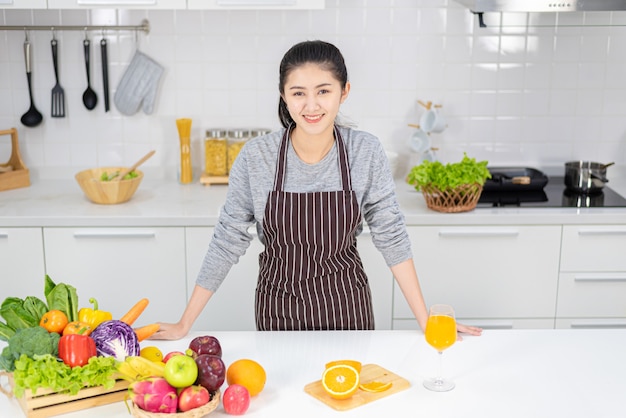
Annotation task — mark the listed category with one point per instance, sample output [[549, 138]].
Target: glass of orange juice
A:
[[440, 334]]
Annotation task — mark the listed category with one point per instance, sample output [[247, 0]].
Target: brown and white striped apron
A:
[[311, 276]]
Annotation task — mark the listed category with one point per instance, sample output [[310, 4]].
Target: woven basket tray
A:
[[194, 413], [461, 199]]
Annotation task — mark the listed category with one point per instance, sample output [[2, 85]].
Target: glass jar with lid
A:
[[259, 132], [216, 152], [236, 139]]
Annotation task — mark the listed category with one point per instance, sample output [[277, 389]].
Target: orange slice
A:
[[340, 381], [353, 363], [375, 386]]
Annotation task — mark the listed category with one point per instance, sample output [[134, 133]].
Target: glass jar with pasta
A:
[[236, 139], [216, 152]]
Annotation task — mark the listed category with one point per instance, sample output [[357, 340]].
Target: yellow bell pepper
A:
[[94, 317]]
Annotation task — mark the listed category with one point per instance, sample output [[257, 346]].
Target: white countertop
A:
[[504, 373], [165, 202]]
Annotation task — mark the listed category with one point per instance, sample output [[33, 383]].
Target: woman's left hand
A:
[[466, 329]]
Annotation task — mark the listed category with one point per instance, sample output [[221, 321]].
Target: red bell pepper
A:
[[76, 349]]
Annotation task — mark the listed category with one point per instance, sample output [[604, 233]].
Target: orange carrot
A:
[[131, 316], [146, 331]]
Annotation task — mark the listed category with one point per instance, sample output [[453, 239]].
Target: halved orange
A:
[[340, 381], [375, 386], [354, 363]]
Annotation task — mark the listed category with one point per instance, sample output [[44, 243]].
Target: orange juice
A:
[[440, 331]]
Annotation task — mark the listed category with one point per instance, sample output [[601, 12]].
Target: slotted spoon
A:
[[58, 94]]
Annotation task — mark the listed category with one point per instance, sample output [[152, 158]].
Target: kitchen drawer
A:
[[119, 266], [22, 261], [593, 248], [592, 295], [486, 272], [486, 324]]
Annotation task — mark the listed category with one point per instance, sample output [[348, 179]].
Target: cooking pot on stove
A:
[[585, 176]]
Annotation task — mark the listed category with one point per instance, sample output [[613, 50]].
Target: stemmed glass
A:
[[440, 334]]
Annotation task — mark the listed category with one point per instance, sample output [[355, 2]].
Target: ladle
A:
[[32, 117], [134, 166], [89, 96]]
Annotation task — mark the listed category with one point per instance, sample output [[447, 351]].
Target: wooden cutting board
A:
[[369, 372]]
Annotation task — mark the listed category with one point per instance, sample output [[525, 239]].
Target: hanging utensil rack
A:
[[143, 27]]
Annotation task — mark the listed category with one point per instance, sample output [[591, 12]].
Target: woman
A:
[[308, 188]]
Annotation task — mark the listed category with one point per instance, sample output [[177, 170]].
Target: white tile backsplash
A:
[[534, 91]]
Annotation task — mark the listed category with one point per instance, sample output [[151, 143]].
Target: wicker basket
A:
[[460, 199], [194, 413]]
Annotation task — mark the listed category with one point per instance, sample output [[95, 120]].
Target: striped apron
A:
[[310, 273]]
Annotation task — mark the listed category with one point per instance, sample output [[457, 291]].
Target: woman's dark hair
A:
[[322, 53]]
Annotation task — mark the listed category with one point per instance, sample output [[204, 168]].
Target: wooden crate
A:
[[18, 175], [46, 403]]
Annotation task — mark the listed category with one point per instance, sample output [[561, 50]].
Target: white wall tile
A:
[[513, 92]]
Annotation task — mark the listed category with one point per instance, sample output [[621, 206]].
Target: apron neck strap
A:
[[342, 156]]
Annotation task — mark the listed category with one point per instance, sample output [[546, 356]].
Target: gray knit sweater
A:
[[252, 178]]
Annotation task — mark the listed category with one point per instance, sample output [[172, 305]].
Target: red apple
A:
[[172, 354], [181, 371], [206, 344], [211, 371], [236, 399], [193, 397]]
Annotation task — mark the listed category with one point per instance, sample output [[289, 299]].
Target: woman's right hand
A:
[[169, 332]]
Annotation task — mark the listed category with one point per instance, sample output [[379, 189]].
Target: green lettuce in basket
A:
[[450, 175]]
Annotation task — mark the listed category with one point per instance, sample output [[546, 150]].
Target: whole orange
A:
[[247, 373]]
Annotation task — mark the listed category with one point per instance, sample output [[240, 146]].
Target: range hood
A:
[[480, 6]]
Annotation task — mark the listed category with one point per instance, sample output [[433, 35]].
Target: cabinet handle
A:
[[597, 325], [115, 2], [502, 325], [592, 231], [595, 277], [114, 234], [478, 232], [256, 2], [4, 234]]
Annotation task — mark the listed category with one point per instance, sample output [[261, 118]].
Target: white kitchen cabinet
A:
[[119, 266], [255, 4], [594, 248], [504, 273], [21, 258], [380, 280], [23, 4], [232, 306], [117, 4], [592, 281]]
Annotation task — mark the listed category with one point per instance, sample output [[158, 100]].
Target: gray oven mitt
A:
[[138, 84]]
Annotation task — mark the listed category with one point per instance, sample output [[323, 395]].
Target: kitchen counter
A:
[[504, 373], [164, 202]]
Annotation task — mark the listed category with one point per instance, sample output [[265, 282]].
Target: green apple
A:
[[181, 371]]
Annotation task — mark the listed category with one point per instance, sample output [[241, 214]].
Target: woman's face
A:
[[313, 96]]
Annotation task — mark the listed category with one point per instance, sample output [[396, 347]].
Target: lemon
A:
[[151, 353]]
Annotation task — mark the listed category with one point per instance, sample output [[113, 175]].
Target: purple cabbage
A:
[[115, 339]]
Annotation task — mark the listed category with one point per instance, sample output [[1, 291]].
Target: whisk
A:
[[184, 134]]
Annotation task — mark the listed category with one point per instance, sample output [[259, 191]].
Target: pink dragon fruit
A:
[[154, 394]]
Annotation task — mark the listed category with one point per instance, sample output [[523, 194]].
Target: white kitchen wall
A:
[[530, 89]]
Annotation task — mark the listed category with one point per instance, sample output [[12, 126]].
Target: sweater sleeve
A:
[[381, 210], [230, 238]]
